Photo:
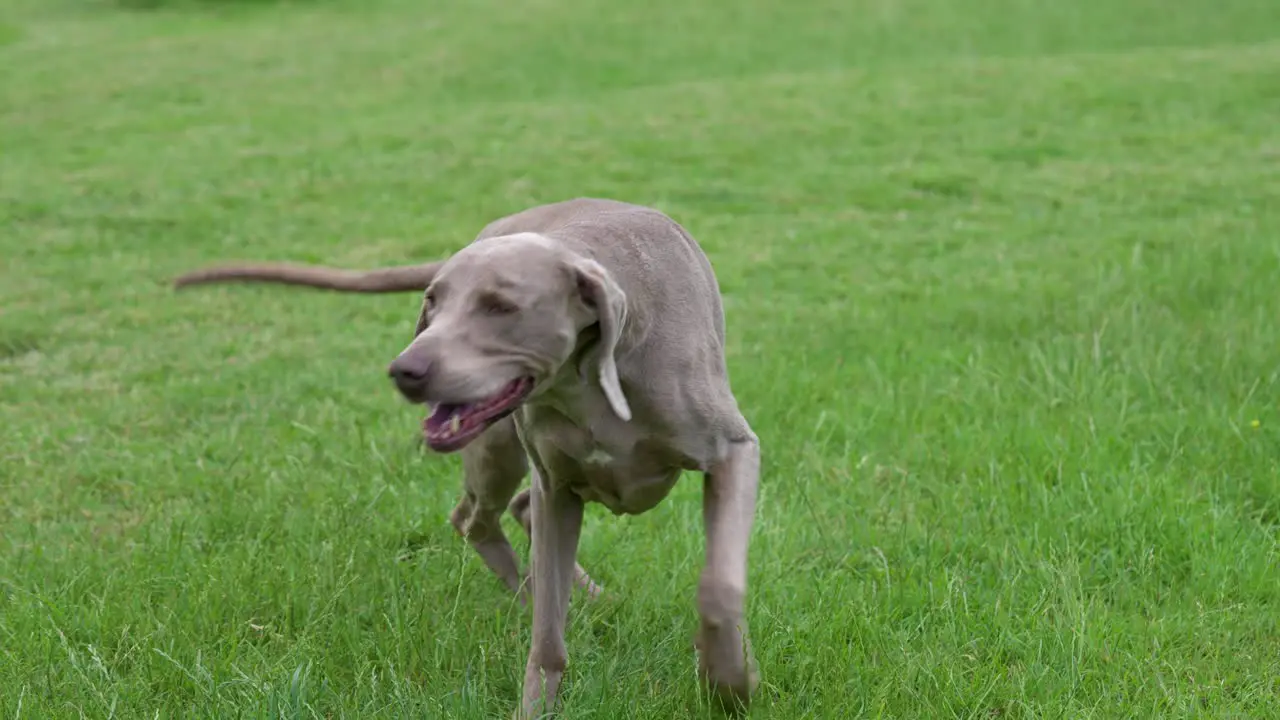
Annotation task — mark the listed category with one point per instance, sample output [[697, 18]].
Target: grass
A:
[[1000, 279]]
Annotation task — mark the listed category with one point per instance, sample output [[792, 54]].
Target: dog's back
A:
[[647, 251], [545, 219]]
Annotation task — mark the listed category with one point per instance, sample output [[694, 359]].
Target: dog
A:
[[583, 343]]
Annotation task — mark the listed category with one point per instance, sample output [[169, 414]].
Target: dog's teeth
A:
[[455, 423]]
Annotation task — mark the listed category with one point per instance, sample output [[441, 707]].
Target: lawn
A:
[[1002, 283]]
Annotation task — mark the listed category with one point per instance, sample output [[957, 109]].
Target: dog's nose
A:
[[409, 374]]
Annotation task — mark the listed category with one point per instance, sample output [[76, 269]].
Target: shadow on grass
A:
[[16, 344]]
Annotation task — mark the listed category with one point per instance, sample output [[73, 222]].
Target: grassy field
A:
[[1002, 281]]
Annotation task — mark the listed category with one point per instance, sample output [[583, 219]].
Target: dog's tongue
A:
[[442, 413]]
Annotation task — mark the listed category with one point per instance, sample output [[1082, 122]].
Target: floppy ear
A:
[[598, 290]]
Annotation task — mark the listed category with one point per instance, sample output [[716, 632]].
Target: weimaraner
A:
[[584, 338]]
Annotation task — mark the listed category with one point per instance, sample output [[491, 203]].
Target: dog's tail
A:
[[381, 280]]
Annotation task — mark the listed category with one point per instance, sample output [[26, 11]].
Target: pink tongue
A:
[[442, 413]]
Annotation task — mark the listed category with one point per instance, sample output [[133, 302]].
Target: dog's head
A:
[[499, 322]]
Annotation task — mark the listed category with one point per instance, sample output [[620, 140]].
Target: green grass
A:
[[1001, 284]]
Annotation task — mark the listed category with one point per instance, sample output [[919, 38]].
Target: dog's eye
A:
[[431, 300], [494, 305]]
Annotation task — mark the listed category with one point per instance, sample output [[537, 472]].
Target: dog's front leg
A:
[[728, 509], [556, 517]]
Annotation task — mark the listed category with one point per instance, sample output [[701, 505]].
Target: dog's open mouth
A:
[[450, 427]]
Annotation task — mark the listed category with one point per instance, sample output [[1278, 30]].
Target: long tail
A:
[[382, 280]]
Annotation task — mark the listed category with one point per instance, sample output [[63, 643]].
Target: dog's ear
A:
[[599, 292]]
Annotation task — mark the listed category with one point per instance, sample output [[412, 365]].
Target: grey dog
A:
[[582, 340]]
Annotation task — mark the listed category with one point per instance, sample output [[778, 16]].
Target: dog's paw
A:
[[590, 588], [727, 668]]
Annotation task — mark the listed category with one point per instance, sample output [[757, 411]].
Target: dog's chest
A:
[[626, 483], [612, 463]]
